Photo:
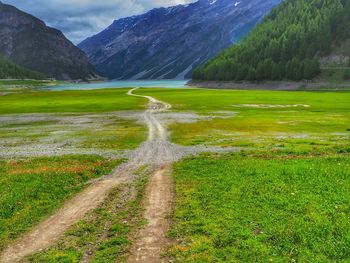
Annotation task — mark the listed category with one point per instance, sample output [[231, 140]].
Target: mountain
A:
[[295, 41], [170, 42], [27, 41], [9, 70]]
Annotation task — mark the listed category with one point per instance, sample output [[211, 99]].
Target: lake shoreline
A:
[[272, 85], [121, 84]]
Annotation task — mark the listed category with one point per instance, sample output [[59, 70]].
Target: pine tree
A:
[[286, 44]]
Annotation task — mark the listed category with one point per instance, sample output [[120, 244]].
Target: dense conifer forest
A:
[[286, 45], [9, 70]]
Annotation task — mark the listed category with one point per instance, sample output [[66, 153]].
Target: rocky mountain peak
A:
[[27, 41], [170, 42]]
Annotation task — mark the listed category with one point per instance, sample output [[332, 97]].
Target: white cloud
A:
[[79, 19]]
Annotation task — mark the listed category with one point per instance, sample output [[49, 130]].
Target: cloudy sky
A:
[[79, 19]]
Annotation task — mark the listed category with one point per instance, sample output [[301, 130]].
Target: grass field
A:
[[94, 121], [97, 133], [11, 83], [20, 86], [37, 122], [282, 198], [104, 235], [238, 208], [32, 188], [69, 101], [294, 122]]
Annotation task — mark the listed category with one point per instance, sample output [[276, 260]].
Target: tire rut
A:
[[151, 241]]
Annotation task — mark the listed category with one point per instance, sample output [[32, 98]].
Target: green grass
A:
[[28, 82], [238, 208], [284, 198], [109, 131], [191, 99], [33, 188], [70, 101], [121, 135], [26, 124], [105, 233], [98, 132], [23, 86], [324, 125]]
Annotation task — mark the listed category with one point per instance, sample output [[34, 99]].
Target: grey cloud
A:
[[79, 19]]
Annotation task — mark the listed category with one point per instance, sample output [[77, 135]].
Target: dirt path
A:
[[156, 151], [151, 240]]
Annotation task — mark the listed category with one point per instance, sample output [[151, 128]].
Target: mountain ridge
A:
[[27, 41], [167, 43]]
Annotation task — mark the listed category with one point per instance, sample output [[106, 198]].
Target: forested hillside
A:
[[9, 70], [286, 45]]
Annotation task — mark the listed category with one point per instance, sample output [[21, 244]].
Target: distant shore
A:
[[272, 85]]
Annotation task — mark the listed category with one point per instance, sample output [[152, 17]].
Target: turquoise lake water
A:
[[123, 84]]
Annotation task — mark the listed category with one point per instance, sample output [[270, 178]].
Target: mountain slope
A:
[[9, 70], [289, 44], [28, 42], [170, 42]]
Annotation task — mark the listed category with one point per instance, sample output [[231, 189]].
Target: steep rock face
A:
[[171, 42], [28, 42]]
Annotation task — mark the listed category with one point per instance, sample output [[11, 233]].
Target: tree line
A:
[[286, 45], [9, 70]]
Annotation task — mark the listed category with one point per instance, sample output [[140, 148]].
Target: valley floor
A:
[[224, 176]]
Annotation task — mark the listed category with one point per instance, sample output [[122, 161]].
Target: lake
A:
[[122, 84]]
